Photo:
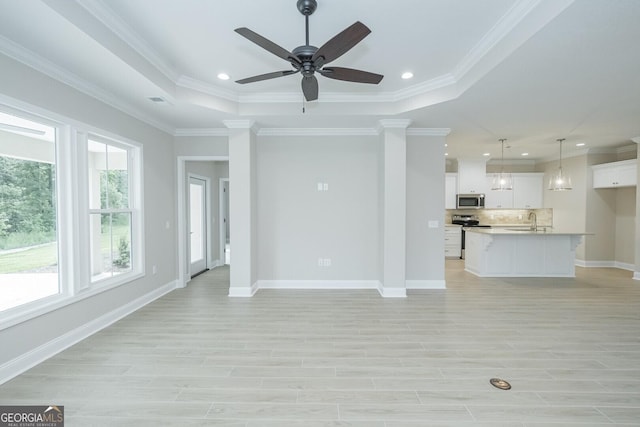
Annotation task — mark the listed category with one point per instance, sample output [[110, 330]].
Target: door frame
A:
[[222, 205], [207, 221], [181, 227]]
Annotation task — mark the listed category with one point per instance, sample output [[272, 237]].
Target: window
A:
[[111, 213], [28, 211], [70, 213]]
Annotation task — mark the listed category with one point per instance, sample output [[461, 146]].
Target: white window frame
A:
[[134, 153], [72, 194]]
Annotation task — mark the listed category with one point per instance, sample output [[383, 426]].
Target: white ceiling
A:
[[530, 71]]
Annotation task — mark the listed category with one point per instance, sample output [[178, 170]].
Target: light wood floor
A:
[[569, 347]]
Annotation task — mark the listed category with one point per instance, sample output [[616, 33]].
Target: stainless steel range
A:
[[466, 221]]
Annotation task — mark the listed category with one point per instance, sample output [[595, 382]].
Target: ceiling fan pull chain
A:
[[303, 111]]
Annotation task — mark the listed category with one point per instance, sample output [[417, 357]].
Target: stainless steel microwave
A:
[[470, 201]]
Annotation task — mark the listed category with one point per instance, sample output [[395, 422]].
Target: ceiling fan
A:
[[309, 59]]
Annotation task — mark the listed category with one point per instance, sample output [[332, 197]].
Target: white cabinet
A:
[[453, 241], [528, 190], [450, 190], [616, 174], [471, 173], [496, 199]]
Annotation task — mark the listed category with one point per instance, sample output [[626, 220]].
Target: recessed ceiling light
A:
[[446, 145], [223, 76], [486, 154], [525, 154], [407, 75], [580, 144], [446, 154]]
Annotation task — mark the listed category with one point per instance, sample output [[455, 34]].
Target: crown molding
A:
[[636, 139], [102, 12], [202, 87], [201, 132], [56, 72], [428, 131], [317, 132]]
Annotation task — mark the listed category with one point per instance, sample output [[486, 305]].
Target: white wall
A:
[[298, 224], [28, 86]]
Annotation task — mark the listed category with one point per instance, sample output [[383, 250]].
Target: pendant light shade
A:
[[560, 181], [502, 181]]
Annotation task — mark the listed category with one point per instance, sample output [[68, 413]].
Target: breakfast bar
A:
[[496, 252]]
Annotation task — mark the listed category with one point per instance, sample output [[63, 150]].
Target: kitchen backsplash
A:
[[509, 217]]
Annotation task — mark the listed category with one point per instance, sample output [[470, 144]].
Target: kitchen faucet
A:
[[534, 221]]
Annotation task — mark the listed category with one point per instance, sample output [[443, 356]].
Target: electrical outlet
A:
[[325, 186], [320, 262], [327, 262], [320, 186]]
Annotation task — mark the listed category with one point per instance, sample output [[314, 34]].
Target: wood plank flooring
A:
[[569, 347]]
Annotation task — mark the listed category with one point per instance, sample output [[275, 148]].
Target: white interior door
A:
[[197, 225], [225, 236]]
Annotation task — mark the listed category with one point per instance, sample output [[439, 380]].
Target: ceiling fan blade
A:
[[267, 76], [310, 88], [340, 44], [351, 75], [267, 45]]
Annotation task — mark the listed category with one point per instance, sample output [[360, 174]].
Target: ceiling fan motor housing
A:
[[307, 7]]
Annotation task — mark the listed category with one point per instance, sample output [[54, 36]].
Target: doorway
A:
[[225, 234], [197, 225]]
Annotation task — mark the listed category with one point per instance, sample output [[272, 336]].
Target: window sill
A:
[[25, 312]]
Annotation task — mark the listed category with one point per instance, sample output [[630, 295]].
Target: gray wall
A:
[[608, 213], [298, 224], [425, 201], [27, 85]]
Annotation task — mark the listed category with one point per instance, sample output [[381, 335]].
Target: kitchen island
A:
[[496, 252]]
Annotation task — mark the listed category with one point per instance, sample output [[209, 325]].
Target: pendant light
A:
[[560, 181], [502, 181]]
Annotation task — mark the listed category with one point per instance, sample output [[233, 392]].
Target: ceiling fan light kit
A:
[[308, 59]]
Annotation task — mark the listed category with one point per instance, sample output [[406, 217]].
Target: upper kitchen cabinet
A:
[[450, 190], [616, 174], [471, 176], [528, 190], [497, 199]]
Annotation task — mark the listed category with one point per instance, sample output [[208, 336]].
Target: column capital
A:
[[393, 124], [239, 124]]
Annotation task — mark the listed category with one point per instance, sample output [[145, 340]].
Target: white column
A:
[[394, 207], [242, 207], [636, 270]]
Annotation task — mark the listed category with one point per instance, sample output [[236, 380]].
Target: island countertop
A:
[[525, 231], [521, 252]]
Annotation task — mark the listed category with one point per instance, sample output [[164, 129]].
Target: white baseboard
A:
[[426, 284], [605, 264], [243, 291], [318, 284], [215, 264], [39, 354], [387, 292]]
